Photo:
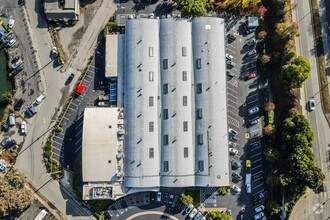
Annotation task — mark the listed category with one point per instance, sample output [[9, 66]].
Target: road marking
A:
[[58, 137], [253, 168], [79, 125], [233, 121], [231, 90], [257, 180], [74, 104], [255, 148], [240, 40], [58, 142], [89, 76], [78, 133], [66, 118], [258, 186], [88, 82], [93, 67], [232, 51], [252, 84], [231, 46], [257, 173], [256, 160], [251, 96], [72, 109], [255, 155], [78, 141], [232, 95], [258, 192], [234, 113], [56, 154], [232, 82], [256, 100], [235, 103]]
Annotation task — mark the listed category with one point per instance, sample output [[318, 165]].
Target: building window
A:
[[184, 51], [199, 63], [151, 153], [201, 165], [166, 166], [199, 113], [151, 101], [165, 88], [165, 114], [185, 126], [199, 88], [200, 140], [184, 75], [151, 126], [151, 76], [185, 100], [151, 51], [165, 64], [165, 139], [185, 152]]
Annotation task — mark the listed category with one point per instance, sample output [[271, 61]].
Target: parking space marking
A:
[[85, 80], [235, 103], [77, 99], [257, 186], [256, 167], [230, 46], [74, 104], [56, 154], [258, 192], [257, 173], [257, 160], [234, 113], [74, 110], [233, 82], [61, 138], [57, 142], [87, 75], [256, 155], [257, 179], [251, 96], [66, 118], [232, 95], [94, 67], [255, 148], [233, 121], [79, 124], [78, 141], [79, 132], [256, 100], [231, 90]]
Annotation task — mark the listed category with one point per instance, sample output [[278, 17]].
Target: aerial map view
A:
[[165, 109]]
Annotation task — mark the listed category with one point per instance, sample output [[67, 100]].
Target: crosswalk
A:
[[233, 82], [233, 121]]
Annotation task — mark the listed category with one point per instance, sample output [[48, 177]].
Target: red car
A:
[[251, 76]]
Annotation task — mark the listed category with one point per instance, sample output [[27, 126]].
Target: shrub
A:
[[269, 106], [58, 129], [48, 154], [186, 199], [224, 190], [270, 117]]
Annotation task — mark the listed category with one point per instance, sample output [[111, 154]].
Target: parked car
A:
[[198, 216], [251, 53], [21, 2], [39, 99], [171, 199], [236, 176], [248, 164], [11, 42], [11, 119], [250, 42], [17, 64], [23, 127], [236, 188], [11, 22], [253, 122], [30, 111], [5, 126], [236, 164], [230, 74], [192, 213], [233, 138], [249, 31], [259, 216], [69, 80], [166, 197], [18, 70], [15, 59], [230, 63], [232, 131], [229, 212], [311, 105], [253, 110], [229, 57], [159, 196], [8, 142], [14, 148], [9, 37], [189, 208], [254, 145], [251, 76], [232, 144], [231, 37], [259, 208], [233, 150], [19, 104]]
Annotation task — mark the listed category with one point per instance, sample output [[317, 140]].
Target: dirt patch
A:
[[65, 95], [76, 38], [8, 157]]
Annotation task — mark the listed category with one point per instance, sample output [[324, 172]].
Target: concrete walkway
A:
[[152, 213]]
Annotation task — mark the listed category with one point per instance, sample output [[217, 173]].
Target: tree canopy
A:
[[295, 73], [186, 199], [192, 8], [217, 215]]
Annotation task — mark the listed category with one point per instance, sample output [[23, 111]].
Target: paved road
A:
[[315, 206]]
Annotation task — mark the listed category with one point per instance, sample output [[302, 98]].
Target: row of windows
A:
[[185, 152], [184, 51], [198, 62], [199, 112], [166, 165], [151, 76]]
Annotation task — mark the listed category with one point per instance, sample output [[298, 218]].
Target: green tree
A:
[[186, 199], [192, 8], [272, 154], [272, 180], [217, 215], [224, 190], [314, 177], [8, 96], [289, 55], [296, 73]]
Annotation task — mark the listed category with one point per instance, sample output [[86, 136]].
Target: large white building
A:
[[172, 89]]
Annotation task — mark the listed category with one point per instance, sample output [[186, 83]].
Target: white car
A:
[[233, 150], [311, 105], [259, 216], [232, 131], [229, 57], [159, 196], [189, 208], [230, 63], [193, 213], [259, 208], [236, 189], [11, 22], [251, 53], [23, 127], [253, 110], [17, 64], [11, 42]]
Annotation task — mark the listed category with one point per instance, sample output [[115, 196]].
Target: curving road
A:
[[148, 213]]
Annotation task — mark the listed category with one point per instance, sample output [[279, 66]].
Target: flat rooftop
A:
[[111, 55], [51, 5]]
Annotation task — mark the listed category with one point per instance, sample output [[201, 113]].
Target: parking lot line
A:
[[94, 67], [258, 192], [230, 46], [73, 109], [89, 76], [256, 100], [79, 132], [66, 118], [61, 138], [79, 124], [74, 104], [234, 113], [232, 90], [229, 100], [78, 141], [256, 155], [257, 179], [57, 142], [252, 84], [85, 80], [232, 95], [256, 167], [57, 154], [257, 186], [256, 161], [257, 173], [251, 96], [255, 148]]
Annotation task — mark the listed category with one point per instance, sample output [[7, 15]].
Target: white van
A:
[[11, 119], [39, 99]]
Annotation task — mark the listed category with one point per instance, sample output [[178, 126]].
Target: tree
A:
[[287, 30], [264, 59], [8, 96], [269, 106], [296, 73], [289, 55], [224, 190], [314, 178], [192, 8], [217, 215], [272, 180], [272, 154], [270, 130], [262, 35], [14, 196], [273, 207], [186, 199]]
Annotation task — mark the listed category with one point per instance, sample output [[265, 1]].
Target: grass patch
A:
[[270, 115], [98, 206]]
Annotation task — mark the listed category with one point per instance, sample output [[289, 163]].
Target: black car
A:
[[69, 80], [21, 2], [8, 142], [233, 138], [231, 37], [30, 111], [19, 104], [236, 164], [5, 126], [257, 201], [254, 145], [15, 59], [18, 70], [236, 176]]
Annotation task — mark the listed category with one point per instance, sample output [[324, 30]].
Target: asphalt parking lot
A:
[[67, 144], [242, 95], [146, 202]]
